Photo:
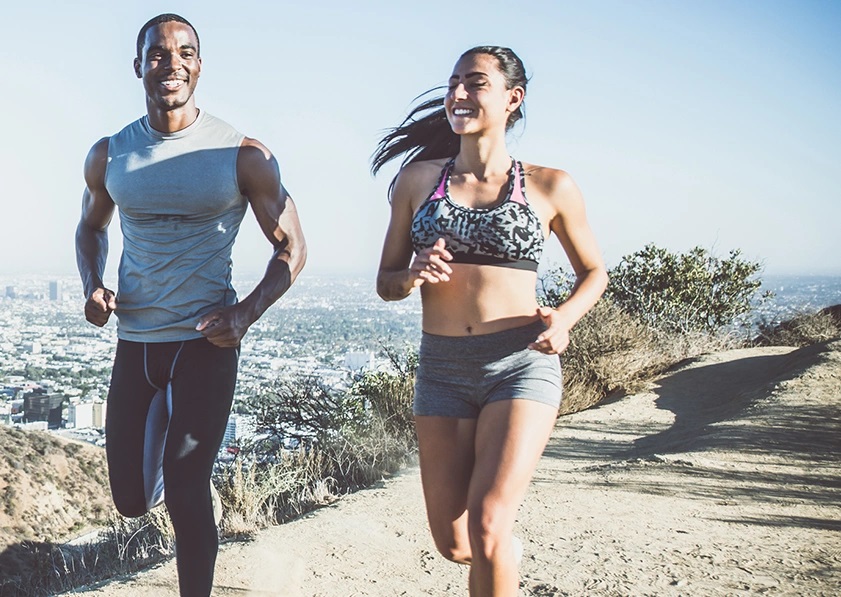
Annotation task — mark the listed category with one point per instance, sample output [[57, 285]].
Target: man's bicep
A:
[[97, 204], [97, 208]]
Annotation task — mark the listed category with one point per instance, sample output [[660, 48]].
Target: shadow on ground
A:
[[727, 406]]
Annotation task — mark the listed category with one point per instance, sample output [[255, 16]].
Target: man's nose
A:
[[173, 62]]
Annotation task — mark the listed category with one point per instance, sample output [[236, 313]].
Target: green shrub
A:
[[388, 395], [685, 292]]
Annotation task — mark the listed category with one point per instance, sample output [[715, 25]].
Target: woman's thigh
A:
[[445, 446], [509, 440]]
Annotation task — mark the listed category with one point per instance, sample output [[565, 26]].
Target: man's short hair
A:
[[164, 18]]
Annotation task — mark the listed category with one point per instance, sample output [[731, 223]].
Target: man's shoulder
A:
[[133, 125], [209, 120]]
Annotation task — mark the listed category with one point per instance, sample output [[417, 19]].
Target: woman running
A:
[[489, 380]]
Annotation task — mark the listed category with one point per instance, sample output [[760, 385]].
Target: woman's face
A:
[[477, 99]]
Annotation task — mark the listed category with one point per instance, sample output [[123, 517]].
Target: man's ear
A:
[[137, 70]]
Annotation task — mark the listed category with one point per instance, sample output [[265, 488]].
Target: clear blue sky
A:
[[684, 123]]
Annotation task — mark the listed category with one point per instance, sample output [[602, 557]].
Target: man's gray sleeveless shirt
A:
[[180, 209]]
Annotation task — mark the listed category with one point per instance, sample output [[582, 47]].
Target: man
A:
[[182, 181]]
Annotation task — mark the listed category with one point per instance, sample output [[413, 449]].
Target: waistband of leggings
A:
[[506, 341]]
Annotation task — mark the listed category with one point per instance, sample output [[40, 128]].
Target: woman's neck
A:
[[483, 155]]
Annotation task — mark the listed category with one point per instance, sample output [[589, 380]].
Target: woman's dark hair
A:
[[425, 134]]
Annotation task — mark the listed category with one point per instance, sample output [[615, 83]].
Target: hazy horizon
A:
[[709, 124]]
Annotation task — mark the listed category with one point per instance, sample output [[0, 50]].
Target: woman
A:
[[488, 382]]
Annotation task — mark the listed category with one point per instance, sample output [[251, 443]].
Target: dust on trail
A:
[[723, 479]]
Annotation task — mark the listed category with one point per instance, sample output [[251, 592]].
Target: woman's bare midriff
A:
[[479, 299]]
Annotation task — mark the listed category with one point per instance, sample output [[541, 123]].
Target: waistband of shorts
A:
[[506, 341]]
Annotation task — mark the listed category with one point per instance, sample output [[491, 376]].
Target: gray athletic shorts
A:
[[458, 375]]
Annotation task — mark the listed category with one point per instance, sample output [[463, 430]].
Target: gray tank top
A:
[[180, 209]]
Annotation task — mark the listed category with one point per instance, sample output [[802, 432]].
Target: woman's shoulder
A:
[[552, 185], [415, 181], [546, 178], [423, 169]]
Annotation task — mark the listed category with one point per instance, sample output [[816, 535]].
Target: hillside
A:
[[722, 478], [50, 489]]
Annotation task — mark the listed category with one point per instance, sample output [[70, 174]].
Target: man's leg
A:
[[129, 397], [203, 381]]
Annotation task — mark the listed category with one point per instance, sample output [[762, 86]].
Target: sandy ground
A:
[[723, 479]]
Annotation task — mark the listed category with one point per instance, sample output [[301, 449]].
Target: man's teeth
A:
[[173, 83], [462, 111]]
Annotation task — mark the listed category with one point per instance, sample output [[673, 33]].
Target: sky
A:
[[712, 124]]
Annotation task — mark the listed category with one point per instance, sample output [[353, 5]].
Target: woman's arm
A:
[[569, 224], [399, 274]]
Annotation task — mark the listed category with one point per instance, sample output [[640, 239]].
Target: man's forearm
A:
[[91, 254], [281, 272]]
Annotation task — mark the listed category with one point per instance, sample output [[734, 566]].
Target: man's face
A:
[[170, 65]]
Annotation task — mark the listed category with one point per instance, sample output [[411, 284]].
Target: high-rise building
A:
[[55, 290], [38, 405], [99, 410], [80, 416], [11, 292], [238, 427]]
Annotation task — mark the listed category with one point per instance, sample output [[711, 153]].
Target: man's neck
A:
[[171, 121]]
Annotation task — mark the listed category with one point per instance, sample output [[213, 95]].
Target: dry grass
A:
[[802, 330], [255, 495], [124, 546], [611, 351]]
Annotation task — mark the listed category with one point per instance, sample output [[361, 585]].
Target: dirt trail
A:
[[723, 479]]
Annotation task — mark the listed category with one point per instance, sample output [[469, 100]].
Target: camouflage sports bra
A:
[[507, 235]]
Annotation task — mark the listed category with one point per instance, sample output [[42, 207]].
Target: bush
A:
[[389, 395], [685, 292], [801, 330], [346, 440], [660, 309]]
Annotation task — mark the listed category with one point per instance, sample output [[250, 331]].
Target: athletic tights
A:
[[201, 379]]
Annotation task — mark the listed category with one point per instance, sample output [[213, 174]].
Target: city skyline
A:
[[710, 124]]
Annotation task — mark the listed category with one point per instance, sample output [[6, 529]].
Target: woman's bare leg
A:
[[509, 440]]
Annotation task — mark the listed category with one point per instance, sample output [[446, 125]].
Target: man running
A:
[[182, 180]]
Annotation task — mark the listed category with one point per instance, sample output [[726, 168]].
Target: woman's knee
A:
[[450, 543], [489, 529], [453, 551]]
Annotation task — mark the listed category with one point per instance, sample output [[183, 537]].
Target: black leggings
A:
[[202, 378]]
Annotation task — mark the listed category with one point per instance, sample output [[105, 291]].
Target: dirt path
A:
[[724, 479]]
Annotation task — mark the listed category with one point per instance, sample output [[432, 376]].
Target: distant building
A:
[[99, 409], [357, 361], [55, 290], [33, 347], [11, 292], [80, 416], [238, 427], [38, 405]]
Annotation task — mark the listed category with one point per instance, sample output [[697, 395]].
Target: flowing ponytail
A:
[[425, 134]]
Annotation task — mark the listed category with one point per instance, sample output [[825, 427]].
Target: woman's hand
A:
[[430, 265], [555, 339]]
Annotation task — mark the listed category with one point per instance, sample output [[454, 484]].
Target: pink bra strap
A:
[[517, 194], [441, 191]]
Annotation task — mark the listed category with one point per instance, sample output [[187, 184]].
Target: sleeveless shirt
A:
[[180, 210]]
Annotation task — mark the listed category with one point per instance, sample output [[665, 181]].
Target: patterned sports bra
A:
[[507, 235]]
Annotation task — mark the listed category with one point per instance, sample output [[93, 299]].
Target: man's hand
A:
[[99, 306], [226, 327]]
